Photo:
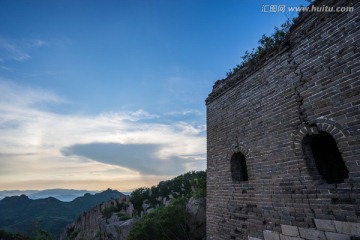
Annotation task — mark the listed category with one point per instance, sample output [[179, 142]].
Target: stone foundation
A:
[[325, 230]]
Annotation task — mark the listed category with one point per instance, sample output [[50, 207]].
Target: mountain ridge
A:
[[26, 215], [65, 195]]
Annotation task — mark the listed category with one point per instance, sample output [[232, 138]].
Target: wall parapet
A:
[[298, 32]]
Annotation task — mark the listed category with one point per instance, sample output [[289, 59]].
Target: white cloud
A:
[[38, 43], [128, 115], [185, 112], [17, 50], [18, 95], [10, 51], [32, 140], [4, 67]]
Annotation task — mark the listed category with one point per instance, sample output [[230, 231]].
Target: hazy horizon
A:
[[64, 195]]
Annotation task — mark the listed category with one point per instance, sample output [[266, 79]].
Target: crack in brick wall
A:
[[299, 86]]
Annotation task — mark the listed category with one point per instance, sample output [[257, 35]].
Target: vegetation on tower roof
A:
[[266, 44]]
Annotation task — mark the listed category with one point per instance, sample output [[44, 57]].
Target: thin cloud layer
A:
[[38, 144], [17, 51]]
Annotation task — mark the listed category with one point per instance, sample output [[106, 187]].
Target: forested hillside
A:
[[27, 216]]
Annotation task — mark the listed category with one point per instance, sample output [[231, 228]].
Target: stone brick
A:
[[347, 228], [336, 236], [311, 234], [284, 237], [325, 225], [270, 235], [253, 238], [290, 230]]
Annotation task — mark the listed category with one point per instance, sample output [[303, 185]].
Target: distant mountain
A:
[[9, 193], [25, 215], [65, 195]]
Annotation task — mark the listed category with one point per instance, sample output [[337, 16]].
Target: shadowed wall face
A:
[[238, 167], [327, 158], [283, 137]]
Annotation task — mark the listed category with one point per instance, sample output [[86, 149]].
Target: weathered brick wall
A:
[[310, 84]]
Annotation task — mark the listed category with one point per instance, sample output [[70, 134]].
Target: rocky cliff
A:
[[196, 218], [173, 209], [148, 212], [109, 220]]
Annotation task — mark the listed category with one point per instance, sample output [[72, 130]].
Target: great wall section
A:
[[284, 137]]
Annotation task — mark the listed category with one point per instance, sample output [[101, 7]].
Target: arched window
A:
[[323, 158], [238, 167]]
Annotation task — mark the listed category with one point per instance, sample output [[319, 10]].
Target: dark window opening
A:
[[323, 151], [238, 167]]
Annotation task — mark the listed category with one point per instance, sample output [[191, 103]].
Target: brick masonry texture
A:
[[310, 83]]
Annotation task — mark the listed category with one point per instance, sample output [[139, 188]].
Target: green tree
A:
[[163, 223], [180, 186], [12, 236], [199, 185], [42, 235], [138, 196], [72, 233]]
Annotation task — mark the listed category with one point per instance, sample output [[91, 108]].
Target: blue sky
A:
[[98, 94]]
